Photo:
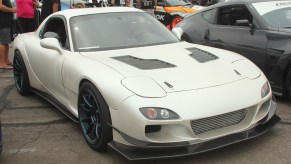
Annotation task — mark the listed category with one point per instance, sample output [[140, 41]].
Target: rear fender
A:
[[19, 45]]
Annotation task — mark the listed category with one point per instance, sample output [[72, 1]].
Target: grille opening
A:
[[152, 128], [216, 122]]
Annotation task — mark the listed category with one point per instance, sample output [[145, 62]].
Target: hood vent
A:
[[201, 56], [144, 63]]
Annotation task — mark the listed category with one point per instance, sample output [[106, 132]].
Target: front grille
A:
[[211, 123]]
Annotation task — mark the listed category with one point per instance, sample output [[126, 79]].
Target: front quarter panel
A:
[[78, 68], [194, 27], [278, 60]]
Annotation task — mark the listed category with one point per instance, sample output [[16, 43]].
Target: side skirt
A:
[[55, 103]]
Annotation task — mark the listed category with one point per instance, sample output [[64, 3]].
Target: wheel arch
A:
[[33, 79], [84, 80], [111, 89], [104, 116], [285, 74], [186, 38], [21, 76]]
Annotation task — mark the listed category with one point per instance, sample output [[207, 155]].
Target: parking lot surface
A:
[[36, 132]]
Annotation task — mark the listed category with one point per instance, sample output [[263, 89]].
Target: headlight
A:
[[154, 113], [265, 89]]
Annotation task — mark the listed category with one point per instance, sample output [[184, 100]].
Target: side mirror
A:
[[51, 43], [178, 32], [243, 22]]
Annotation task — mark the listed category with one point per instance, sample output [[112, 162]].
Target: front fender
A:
[[106, 80], [278, 60]]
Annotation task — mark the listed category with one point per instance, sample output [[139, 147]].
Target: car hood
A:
[[174, 67]]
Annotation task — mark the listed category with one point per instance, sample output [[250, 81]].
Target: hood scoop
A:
[[201, 56], [146, 64]]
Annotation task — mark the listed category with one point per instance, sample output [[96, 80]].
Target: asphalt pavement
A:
[[35, 132]]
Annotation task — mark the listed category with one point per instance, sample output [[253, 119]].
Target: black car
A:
[[170, 12], [258, 29]]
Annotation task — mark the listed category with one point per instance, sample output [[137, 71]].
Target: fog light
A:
[[165, 114], [151, 113]]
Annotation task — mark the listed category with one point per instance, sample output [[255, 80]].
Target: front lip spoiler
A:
[[145, 153]]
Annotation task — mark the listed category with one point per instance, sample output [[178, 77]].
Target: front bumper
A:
[[155, 151]]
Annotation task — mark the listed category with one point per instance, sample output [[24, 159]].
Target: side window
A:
[[234, 16], [209, 15], [57, 26]]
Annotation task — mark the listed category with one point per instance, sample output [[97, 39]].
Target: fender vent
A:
[[201, 56], [144, 63]]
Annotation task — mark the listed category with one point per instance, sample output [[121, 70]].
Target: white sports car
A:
[[133, 85]]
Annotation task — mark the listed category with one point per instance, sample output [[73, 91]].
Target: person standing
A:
[[118, 2], [6, 18], [129, 3], [48, 7], [148, 6], [26, 14]]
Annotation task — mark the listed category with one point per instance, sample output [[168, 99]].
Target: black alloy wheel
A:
[[94, 117], [20, 75]]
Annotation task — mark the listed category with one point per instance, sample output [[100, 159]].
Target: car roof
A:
[[249, 1], [87, 11], [229, 2]]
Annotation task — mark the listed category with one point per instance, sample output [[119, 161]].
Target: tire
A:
[[20, 75], [94, 117], [288, 83]]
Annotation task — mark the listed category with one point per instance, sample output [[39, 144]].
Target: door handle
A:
[[206, 34]]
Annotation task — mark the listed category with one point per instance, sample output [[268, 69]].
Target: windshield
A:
[[177, 2], [275, 13], [118, 30]]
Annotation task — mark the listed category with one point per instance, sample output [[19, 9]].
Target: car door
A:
[[195, 26], [235, 29], [47, 63]]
